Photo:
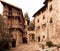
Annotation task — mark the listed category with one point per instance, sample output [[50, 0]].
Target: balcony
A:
[[15, 26]]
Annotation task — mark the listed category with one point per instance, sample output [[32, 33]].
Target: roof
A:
[[40, 10], [45, 2], [10, 5]]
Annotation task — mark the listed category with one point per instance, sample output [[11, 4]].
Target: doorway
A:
[[24, 40], [13, 43]]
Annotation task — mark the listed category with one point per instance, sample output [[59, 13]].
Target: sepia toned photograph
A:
[[29, 25]]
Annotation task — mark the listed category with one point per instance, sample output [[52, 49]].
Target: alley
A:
[[33, 47]]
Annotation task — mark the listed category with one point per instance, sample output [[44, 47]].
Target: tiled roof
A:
[[42, 9]]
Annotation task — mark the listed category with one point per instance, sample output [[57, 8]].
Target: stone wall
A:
[[52, 28]]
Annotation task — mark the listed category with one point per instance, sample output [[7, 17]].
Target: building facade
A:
[[31, 33], [26, 24], [47, 21], [41, 24], [15, 22], [29, 30]]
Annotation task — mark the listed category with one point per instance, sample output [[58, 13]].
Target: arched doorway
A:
[[24, 40]]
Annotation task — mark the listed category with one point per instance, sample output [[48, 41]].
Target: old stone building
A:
[[41, 24], [15, 22], [29, 29], [26, 24], [54, 10], [47, 21], [31, 33]]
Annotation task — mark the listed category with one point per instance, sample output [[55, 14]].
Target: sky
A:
[[29, 6]]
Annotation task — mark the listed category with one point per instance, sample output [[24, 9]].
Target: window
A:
[[50, 9], [51, 20], [38, 20], [28, 22], [38, 39], [38, 27], [43, 26], [5, 13], [10, 13], [9, 22], [24, 26], [43, 16], [43, 36]]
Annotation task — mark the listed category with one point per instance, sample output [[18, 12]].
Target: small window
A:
[[43, 16], [28, 22], [38, 20], [24, 26], [50, 9], [43, 26], [51, 20], [38, 27], [5, 13], [43, 36]]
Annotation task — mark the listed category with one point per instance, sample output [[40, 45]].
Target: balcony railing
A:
[[15, 26]]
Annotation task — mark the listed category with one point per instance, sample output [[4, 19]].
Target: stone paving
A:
[[33, 47], [26, 47]]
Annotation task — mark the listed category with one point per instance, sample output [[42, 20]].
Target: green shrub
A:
[[49, 44], [4, 45]]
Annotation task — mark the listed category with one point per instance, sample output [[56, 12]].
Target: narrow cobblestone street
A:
[[26, 47], [30, 26], [33, 47]]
